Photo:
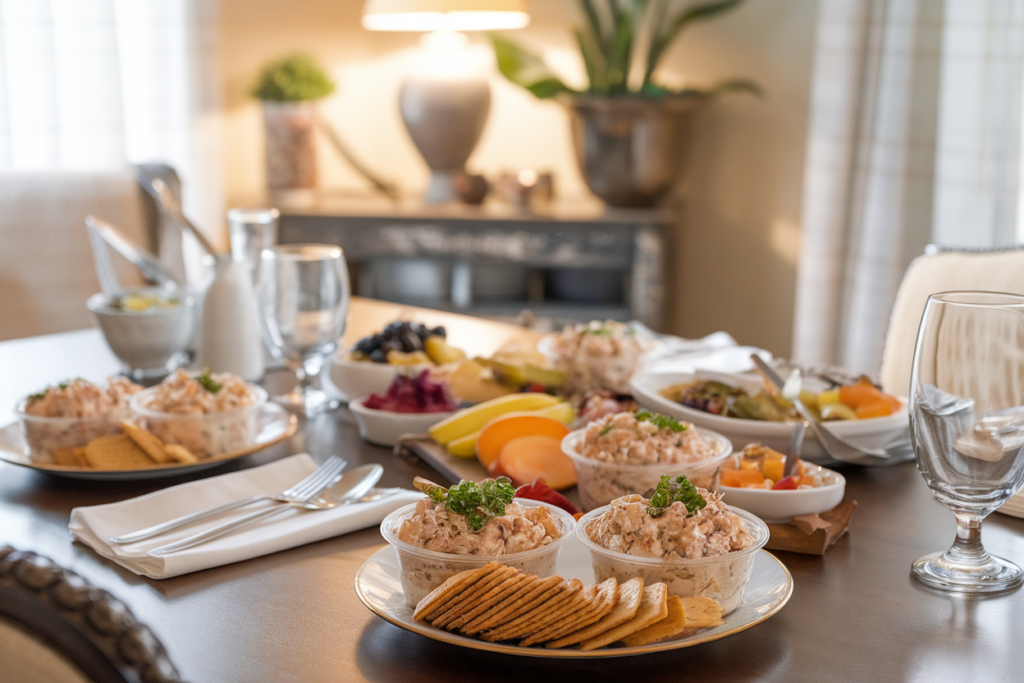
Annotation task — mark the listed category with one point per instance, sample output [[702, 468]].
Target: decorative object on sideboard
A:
[[289, 88], [471, 188], [523, 188], [628, 130], [445, 100]]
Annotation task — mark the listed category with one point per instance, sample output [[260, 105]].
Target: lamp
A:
[[445, 100]]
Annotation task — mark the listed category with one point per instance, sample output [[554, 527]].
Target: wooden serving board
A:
[[812, 534], [453, 469]]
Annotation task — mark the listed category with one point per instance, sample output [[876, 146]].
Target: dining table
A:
[[855, 613]]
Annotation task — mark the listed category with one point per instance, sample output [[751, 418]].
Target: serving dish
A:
[[782, 506], [384, 427], [273, 425], [599, 483], [879, 432], [435, 567], [378, 586]]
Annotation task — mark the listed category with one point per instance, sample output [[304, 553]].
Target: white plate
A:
[[878, 432], [782, 506], [384, 427], [274, 424], [380, 589]]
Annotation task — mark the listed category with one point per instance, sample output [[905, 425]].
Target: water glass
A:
[[967, 425], [251, 231], [304, 294]]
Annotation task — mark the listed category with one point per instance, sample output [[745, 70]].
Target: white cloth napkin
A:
[[94, 525]]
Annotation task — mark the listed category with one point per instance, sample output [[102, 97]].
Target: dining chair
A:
[[46, 264], [56, 627], [942, 269]]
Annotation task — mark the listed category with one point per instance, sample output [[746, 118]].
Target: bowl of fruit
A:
[[744, 410], [754, 480], [372, 362], [412, 403]]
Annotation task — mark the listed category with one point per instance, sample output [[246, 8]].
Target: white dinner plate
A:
[[379, 588], [273, 423], [892, 432]]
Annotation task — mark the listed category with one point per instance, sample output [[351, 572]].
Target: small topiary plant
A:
[[293, 78]]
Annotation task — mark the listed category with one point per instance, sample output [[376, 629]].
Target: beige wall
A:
[[734, 254]]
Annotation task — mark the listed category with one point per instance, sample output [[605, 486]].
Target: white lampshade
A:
[[444, 15]]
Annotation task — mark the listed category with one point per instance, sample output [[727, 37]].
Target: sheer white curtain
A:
[[96, 84], [914, 138]]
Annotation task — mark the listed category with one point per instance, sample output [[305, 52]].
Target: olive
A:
[[410, 341], [439, 331]]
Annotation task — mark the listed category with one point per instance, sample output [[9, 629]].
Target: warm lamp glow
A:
[[444, 15]]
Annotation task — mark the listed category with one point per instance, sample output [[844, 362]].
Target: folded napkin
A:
[[94, 525]]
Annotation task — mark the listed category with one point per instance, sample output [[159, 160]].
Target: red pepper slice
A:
[[538, 490], [786, 484]]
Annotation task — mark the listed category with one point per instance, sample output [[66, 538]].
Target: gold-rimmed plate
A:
[[379, 587], [274, 424]]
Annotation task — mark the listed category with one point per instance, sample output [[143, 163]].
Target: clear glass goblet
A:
[[967, 425], [304, 294]]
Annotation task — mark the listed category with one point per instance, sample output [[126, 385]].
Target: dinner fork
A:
[[304, 491]]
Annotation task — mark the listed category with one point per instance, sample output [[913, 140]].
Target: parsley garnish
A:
[[660, 421], [604, 430], [62, 386], [478, 503], [669, 492], [208, 383]]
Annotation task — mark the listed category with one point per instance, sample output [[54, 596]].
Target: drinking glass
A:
[[304, 294], [967, 425]]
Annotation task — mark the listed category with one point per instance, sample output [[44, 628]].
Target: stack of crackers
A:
[[499, 603], [134, 448]]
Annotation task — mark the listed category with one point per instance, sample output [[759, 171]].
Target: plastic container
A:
[[205, 434], [424, 570], [44, 434], [599, 482], [722, 577]]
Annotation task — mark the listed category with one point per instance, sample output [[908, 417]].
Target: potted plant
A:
[[289, 88], [626, 127]]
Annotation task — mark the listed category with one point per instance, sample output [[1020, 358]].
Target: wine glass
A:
[[304, 294], [967, 425]]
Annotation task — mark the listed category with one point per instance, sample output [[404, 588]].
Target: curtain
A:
[[914, 138], [97, 84]]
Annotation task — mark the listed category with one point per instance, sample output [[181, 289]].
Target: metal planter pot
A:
[[628, 147]]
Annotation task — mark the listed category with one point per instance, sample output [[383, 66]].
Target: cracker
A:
[[605, 596], [180, 454], [672, 625], [65, 457], [79, 454], [546, 615], [471, 597], [467, 591], [147, 441], [624, 610], [454, 583], [534, 592], [485, 602], [561, 603], [116, 452], [653, 608], [702, 612]]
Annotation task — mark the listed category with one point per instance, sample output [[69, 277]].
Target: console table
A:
[[497, 260]]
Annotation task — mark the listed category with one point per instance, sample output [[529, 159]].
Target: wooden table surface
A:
[[855, 614]]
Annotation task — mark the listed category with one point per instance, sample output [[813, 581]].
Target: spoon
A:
[[351, 488]]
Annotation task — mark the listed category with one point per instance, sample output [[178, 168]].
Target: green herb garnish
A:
[[478, 503], [208, 383], [660, 421], [62, 386], [668, 492], [598, 331], [607, 428]]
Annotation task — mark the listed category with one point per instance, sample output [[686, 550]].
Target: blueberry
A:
[[392, 345], [379, 356], [439, 331], [410, 341], [366, 345]]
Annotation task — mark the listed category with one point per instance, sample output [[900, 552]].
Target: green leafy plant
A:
[[478, 503], [621, 43], [293, 78], [668, 492]]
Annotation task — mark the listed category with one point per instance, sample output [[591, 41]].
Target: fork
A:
[[307, 489]]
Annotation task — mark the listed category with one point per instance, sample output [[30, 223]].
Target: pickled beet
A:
[[419, 394]]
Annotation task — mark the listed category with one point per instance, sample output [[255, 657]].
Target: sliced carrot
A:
[[536, 456], [740, 478], [499, 431], [856, 395], [876, 409]]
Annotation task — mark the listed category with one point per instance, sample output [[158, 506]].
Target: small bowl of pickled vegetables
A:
[[746, 409], [754, 480]]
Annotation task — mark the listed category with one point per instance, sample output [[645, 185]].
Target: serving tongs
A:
[[159, 191], [834, 447], [102, 235]]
